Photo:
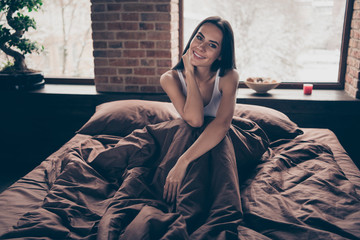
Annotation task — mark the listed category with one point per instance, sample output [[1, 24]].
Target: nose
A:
[[201, 46]]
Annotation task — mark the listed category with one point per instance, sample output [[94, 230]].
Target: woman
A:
[[203, 83]]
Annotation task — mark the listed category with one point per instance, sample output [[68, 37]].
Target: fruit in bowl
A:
[[261, 85]]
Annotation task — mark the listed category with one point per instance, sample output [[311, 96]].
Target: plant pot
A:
[[21, 81]]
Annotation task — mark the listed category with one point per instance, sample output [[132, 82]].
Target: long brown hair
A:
[[227, 53]]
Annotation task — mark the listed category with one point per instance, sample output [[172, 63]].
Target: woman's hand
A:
[[173, 181], [188, 67]]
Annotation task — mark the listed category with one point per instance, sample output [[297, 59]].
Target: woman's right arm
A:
[[190, 108]]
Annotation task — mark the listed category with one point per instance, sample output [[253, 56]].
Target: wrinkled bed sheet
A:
[[301, 193], [108, 187]]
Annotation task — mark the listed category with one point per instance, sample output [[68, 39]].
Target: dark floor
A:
[[6, 181], [17, 163]]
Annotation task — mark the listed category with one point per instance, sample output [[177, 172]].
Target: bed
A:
[[268, 179]]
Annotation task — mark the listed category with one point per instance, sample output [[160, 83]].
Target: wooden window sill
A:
[[243, 95]]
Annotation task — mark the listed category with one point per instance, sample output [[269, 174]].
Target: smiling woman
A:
[[206, 46], [64, 29], [203, 84]]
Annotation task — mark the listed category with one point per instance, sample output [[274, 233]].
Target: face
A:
[[205, 47]]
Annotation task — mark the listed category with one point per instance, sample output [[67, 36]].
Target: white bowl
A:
[[261, 85]]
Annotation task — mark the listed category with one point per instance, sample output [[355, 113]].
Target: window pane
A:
[[64, 29], [288, 40]]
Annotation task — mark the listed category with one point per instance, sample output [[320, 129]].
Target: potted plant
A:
[[16, 75]]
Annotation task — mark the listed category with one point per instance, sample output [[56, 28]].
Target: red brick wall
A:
[[352, 82], [134, 41]]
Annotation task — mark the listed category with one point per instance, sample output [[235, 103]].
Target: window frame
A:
[[349, 5], [285, 85]]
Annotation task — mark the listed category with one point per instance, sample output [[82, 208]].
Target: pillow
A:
[[274, 123], [122, 117]]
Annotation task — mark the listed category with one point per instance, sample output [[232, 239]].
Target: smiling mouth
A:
[[198, 56]]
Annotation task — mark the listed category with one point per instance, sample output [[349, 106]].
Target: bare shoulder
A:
[[168, 76], [230, 79], [170, 81]]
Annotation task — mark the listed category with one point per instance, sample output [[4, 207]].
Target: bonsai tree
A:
[[12, 40]]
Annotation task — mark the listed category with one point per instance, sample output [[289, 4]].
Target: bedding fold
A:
[[111, 187], [308, 191]]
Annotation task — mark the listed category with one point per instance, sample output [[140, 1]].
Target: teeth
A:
[[198, 55]]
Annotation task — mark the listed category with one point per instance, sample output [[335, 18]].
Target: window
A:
[[294, 41], [64, 29]]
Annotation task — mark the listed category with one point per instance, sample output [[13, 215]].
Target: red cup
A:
[[307, 88]]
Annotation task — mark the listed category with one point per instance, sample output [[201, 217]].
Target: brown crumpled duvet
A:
[[110, 187]]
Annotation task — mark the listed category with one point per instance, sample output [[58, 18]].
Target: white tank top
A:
[[211, 108]]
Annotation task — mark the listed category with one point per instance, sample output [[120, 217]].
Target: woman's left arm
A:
[[209, 138]]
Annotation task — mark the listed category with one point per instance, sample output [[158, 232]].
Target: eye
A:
[[198, 37], [212, 45]]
